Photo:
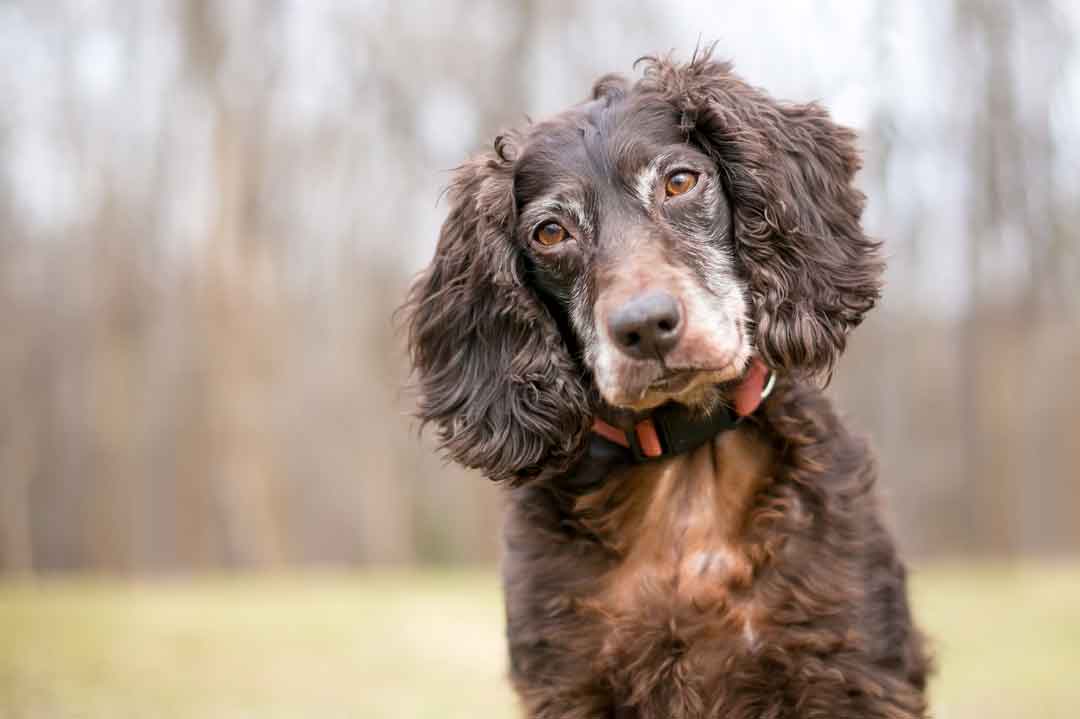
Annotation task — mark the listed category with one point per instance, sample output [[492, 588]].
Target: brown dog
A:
[[613, 291]]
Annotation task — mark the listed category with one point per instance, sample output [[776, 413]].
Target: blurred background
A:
[[213, 501]]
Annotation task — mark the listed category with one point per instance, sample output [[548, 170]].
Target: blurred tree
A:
[[211, 210]]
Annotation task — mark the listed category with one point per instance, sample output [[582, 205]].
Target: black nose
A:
[[648, 326]]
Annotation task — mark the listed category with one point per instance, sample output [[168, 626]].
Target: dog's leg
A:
[[573, 703], [851, 690]]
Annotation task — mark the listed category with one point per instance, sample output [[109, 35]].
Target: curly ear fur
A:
[[811, 271], [493, 371]]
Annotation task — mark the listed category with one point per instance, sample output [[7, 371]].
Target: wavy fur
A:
[[751, 578], [494, 374], [813, 274]]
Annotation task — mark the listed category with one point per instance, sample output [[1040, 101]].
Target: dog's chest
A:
[[682, 581]]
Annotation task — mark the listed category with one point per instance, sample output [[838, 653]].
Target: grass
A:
[[429, 644]]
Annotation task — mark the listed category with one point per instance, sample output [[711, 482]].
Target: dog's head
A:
[[636, 249]]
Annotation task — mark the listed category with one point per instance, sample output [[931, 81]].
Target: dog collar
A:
[[674, 429]]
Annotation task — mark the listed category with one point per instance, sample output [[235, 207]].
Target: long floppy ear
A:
[[811, 271], [494, 374]]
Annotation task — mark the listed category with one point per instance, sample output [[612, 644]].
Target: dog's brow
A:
[[645, 178], [568, 206]]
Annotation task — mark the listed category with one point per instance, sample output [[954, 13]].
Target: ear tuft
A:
[[505, 149], [610, 87]]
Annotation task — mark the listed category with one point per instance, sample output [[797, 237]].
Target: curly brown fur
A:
[[750, 578], [813, 273], [494, 373]]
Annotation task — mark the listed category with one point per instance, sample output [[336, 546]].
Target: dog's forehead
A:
[[596, 143]]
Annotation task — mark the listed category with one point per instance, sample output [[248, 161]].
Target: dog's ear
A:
[[788, 169], [494, 374]]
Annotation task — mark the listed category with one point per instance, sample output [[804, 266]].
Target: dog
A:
[[628, 319]]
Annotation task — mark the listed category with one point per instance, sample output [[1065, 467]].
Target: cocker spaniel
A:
[[627, 319]]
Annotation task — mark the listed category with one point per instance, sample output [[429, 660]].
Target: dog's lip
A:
[[673, 376], [677, 381], [668, 383], [674, 380]]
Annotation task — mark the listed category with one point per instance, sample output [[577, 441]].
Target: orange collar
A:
[[673, 429]]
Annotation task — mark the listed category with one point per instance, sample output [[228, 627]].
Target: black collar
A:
[[670, 429], [676, 429]]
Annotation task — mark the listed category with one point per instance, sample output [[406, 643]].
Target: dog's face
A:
[[639, 248], [628, 235]]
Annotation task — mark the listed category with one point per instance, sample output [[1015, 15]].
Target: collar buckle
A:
[[634, 445]]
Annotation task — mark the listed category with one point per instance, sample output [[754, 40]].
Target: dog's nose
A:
[[648, 326]]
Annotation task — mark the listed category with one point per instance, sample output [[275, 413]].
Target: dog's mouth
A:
[[673, 381], [693, 387]]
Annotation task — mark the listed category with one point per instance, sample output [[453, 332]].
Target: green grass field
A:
[[429, 644]]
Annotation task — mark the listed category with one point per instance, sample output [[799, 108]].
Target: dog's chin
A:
[[646, 389], [697, 391]]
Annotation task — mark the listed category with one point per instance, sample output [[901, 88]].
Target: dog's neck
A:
[[669, 430], [673, 429], [693, 506], [605, 461]]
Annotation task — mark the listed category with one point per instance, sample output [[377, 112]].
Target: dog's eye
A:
[[681, 182], [551, 233]]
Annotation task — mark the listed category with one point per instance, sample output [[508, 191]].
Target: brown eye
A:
[[551, 233], [680, 183]]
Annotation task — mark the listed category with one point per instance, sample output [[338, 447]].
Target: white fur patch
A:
[[645, 183], [568, 207], [703, 562], [749, 636]]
